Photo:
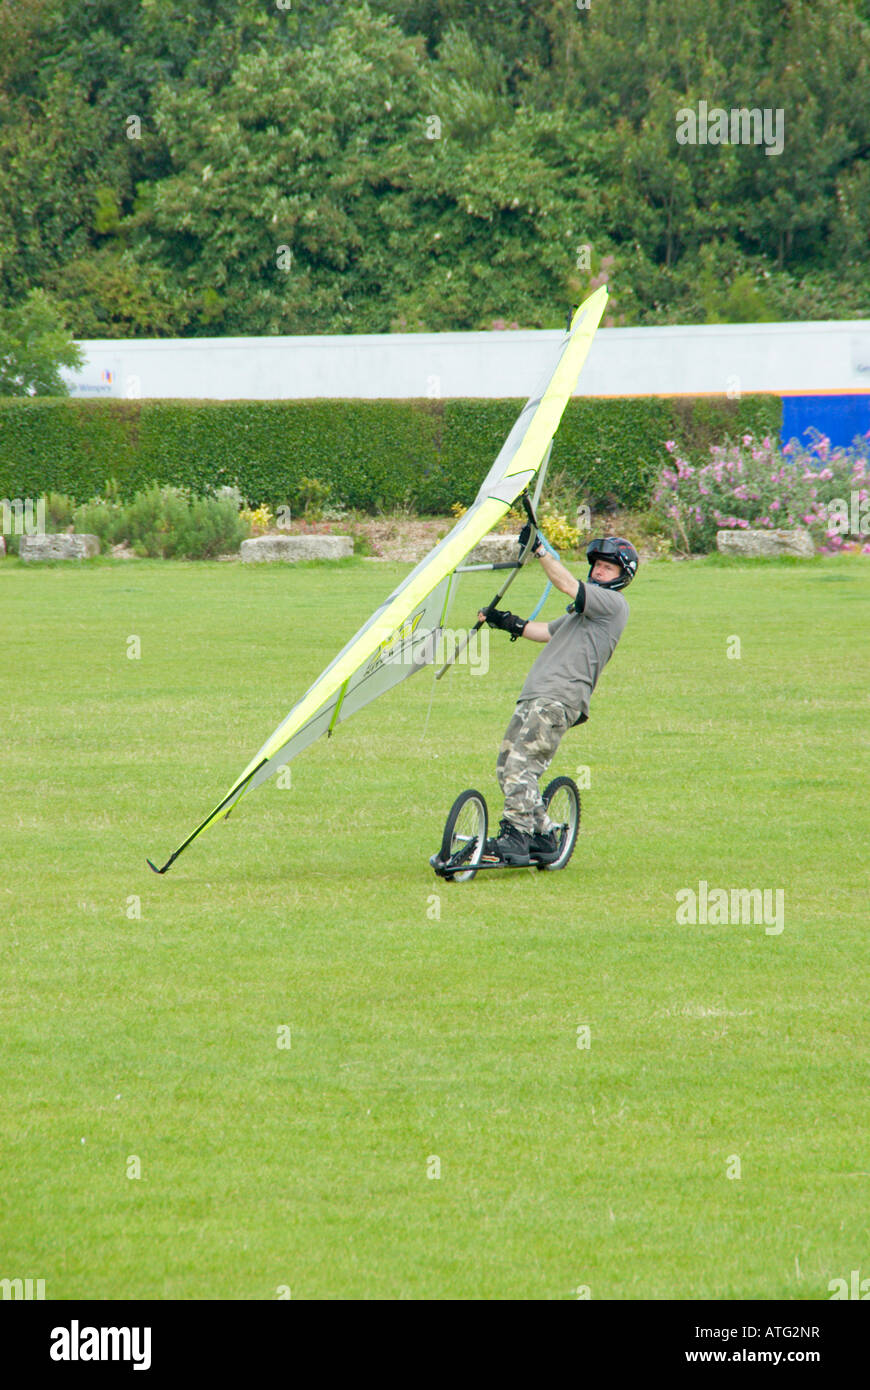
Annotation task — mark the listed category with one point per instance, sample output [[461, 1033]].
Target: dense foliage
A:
[[366, 454], [235, 166]]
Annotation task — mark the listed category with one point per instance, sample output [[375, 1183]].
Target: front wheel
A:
[[562, 800], [464, 836]]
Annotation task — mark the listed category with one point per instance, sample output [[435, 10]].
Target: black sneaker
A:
[[546, 845], [510, 847]]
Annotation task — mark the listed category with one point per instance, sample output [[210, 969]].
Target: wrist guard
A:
[[506, 622]]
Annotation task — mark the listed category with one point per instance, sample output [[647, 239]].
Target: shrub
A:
[[312, 496], [59, 511], [259, 519], [757, 484], [152, 519], [102, 519], [559, 531], [209, 527], [162, 522]]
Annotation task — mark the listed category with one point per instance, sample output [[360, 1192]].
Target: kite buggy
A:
[[464, 842]]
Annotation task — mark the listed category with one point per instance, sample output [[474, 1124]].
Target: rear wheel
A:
[[562, 800], [464, 836]]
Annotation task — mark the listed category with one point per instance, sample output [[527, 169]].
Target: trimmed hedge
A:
[[374, 454]]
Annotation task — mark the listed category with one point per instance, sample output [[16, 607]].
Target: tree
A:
[[290, 192], [34, 345], [428, 164]]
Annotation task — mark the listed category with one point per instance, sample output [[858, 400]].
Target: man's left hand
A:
[[527, 534]]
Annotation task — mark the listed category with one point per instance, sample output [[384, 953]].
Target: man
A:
[[558, 688]]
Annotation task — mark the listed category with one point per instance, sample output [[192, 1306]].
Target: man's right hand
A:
[[505, 622]]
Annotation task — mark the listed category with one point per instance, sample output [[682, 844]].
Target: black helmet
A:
[[616, 551]]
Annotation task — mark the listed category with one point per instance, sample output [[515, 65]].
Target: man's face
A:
[[603, 571]]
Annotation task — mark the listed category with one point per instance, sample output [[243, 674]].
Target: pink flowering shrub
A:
[[752, 483]]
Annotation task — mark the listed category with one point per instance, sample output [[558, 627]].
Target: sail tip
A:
[[600, 296]]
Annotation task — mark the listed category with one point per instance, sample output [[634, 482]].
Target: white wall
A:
[[792, 357]]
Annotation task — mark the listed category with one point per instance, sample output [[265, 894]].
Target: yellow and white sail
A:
[[402, 635]]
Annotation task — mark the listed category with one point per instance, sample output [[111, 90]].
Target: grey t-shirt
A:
[[579, 648]]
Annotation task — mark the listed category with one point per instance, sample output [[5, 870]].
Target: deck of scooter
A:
[[451, 868]]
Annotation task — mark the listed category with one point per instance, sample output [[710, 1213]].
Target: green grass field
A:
[[416, 1036]]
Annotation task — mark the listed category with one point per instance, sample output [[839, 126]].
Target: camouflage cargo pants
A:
[[527, 749]]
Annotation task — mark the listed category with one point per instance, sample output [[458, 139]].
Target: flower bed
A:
[[756, 484]]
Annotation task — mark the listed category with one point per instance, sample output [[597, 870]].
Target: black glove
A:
[[523, 538], [506, 622]]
